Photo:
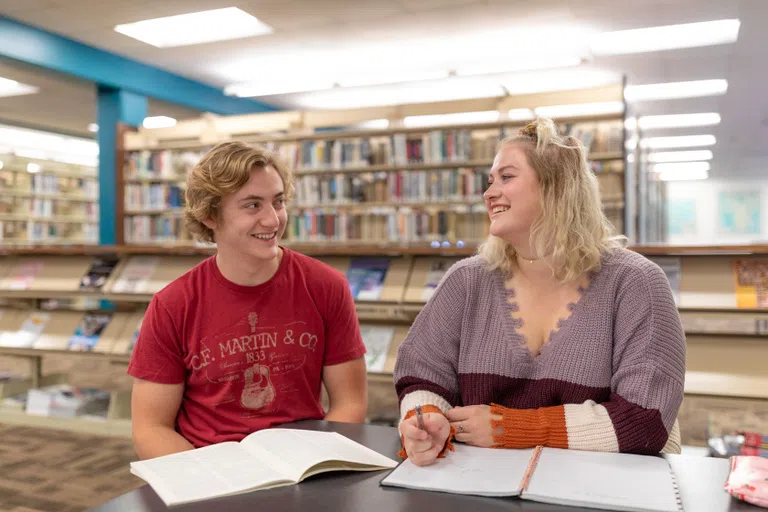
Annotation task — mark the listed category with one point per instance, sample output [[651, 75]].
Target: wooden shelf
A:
[[389, 204], [76, 198], [155, 179], [34, 352], [45, 171], [722, 384], [700, 250], [189, 143], [96, 426], [171, 210], [56, 219], [347, 249]]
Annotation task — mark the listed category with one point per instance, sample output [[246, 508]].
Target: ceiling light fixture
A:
[[159, 122], [487, 116], [683, 175], [581, 109], [668, 37], [676, 90], [689, 141], [520, 114], [678, 120], [680, 156], [681, 167], [196, 28], [10, 87]]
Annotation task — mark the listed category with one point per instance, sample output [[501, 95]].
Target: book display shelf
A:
[[725, 314]]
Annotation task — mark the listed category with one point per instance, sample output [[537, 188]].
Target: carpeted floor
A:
[[43, 470]]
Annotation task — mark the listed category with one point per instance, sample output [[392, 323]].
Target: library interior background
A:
[[389, 111]]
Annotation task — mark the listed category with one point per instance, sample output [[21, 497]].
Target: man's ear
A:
[[210, 224]]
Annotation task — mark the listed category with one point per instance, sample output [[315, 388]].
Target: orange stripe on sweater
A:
[[426, 409], [527, 428]]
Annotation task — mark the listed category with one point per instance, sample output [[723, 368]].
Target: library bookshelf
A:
[[42, 201], [727, 335]]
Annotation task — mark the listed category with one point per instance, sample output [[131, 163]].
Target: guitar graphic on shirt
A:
[[259, 390]]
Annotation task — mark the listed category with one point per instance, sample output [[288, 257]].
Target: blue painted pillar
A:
[[114, 106]]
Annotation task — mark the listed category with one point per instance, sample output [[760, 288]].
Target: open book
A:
[[610, 481], [263, 460]]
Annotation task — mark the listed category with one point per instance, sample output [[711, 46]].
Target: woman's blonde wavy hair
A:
[[224, 170], [572, 228]]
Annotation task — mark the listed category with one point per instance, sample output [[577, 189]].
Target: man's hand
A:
[[423, 446], [473, 425]]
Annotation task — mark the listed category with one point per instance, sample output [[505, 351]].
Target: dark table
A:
[[700, 480]]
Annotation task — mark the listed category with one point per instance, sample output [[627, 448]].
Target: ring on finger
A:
[[461, 428]]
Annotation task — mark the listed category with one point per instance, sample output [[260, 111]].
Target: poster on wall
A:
[[681, 216], [739, 212]]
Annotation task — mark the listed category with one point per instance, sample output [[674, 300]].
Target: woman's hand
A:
[[473, 424], [423, 446]]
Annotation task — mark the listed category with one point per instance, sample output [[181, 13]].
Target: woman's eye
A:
[[506, 177]]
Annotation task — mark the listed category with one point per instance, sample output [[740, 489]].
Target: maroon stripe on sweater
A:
[[639, 430], [409, 384], [481, 388]]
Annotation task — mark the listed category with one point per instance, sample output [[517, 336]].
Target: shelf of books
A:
[[722, 301], [42, 201], [417, 187]]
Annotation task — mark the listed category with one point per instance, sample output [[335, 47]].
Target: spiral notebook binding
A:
[[676, 486]]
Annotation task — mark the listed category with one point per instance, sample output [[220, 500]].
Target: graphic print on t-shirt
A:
[[256, 366]]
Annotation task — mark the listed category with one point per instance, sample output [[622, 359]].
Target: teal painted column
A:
[[114, 106]]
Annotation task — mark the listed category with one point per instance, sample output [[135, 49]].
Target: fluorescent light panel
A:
[[516, 64], [196, 28], [278, 86], [680, 156], [683, 175], [676, 90], [383, 78], [669, 37], [678, 120], [486, 116], [681, 167], [93, 127], [159, 122], [520, 114], [686, 141], [10, 87], [581, 109]]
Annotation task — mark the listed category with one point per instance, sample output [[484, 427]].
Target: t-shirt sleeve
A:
[[157, 355], [343, 341]]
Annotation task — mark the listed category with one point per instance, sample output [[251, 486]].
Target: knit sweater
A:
[[610, 378]]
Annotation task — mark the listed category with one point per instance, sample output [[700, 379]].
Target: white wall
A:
[[705, 193]]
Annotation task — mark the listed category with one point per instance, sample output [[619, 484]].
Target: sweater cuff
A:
[[448, 442], [527, 428]]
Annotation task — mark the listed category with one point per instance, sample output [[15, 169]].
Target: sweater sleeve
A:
[[426, 371], [640, 415]]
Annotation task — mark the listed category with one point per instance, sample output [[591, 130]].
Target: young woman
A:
[[554, 334]]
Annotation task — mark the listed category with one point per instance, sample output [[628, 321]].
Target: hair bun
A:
[[529, 130]]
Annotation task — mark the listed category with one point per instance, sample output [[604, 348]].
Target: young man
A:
[[244, 340]]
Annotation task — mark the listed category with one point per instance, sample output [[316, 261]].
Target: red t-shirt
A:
[[249, 356]]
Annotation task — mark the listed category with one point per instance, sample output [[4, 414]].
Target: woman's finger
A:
[[411, 431]]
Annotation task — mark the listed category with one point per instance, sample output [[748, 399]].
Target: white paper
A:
[[134, 277], [29, 332], [610, 481], [467, 470]]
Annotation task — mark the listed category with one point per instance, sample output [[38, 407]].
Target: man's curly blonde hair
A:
[[224, 170]]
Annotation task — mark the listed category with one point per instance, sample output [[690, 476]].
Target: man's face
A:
[[252, 220]]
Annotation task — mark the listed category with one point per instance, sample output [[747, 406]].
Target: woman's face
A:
[[513, 196]]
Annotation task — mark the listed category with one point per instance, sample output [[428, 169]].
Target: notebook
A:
[[609, 481], [263, 460]]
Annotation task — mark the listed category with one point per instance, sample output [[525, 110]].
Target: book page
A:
[[216, 470], [612, 481], [303, 449], [467, 470]]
